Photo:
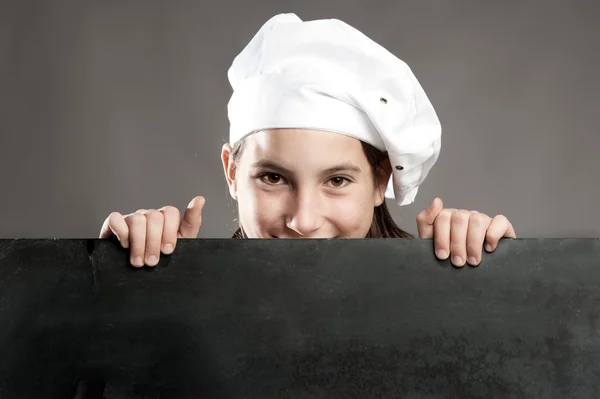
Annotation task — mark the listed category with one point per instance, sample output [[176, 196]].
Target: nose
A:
[[305, 218]]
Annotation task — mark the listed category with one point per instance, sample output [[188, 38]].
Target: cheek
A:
[[259, 211], [353, 216]]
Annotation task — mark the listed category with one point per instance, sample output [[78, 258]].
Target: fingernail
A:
[[152, 260], [472, 260], [125, 244], [457, 260], [441, 254], [168, 248], [488, 247], [138, 261]]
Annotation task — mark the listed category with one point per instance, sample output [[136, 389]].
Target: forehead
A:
[[288, 144]]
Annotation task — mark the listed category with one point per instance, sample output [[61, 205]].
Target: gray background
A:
[[120, 105]]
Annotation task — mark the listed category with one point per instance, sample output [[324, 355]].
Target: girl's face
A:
[[292, 183]]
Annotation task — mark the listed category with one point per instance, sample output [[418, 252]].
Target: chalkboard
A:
[[373, 318]]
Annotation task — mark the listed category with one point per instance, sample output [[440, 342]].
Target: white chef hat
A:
[[326, 75]]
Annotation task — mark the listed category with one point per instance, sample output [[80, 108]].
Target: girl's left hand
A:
[[461, 234]]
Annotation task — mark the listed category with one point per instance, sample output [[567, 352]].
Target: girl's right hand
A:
[[148, 232]]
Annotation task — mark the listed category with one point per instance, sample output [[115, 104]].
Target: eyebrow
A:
[[343, 167]]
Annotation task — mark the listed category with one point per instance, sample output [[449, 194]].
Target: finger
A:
[[478, 225], [171, 225], [137, 238], [458, 237], [192, 219], [115, 225], [499, 227], [154, 232], [426, 218], [441, 228]]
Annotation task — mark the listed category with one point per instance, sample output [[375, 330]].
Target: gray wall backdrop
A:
[[120, 105]]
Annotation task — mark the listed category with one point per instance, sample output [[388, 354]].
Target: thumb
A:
[[426, 218], [192, 219]]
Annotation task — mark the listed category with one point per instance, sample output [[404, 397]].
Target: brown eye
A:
[[337, 181], [273, 178]]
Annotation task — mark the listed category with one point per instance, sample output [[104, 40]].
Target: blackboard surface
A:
[[299, 319]]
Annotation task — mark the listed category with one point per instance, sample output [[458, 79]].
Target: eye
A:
[[338, 181], [271, 178]]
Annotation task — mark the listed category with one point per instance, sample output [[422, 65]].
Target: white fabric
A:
[[326, 75]]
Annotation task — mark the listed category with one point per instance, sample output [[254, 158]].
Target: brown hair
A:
[[383, 225]]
